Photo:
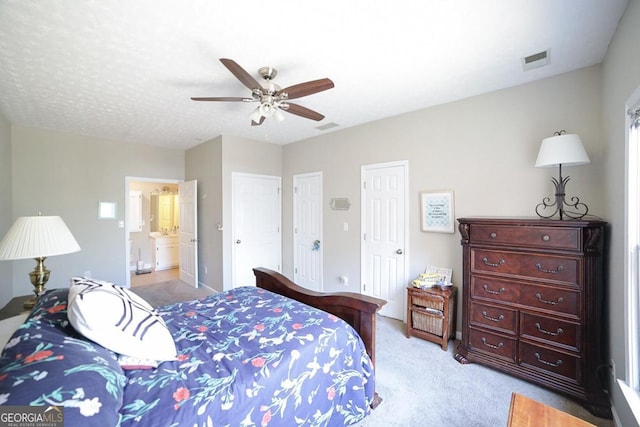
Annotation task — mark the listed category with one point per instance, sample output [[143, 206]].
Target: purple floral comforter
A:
[[246, 357]]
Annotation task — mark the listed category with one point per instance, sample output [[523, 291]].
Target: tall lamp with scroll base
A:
[[37, 237], [557, 150]]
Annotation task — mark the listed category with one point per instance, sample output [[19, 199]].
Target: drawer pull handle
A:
[[491, 264], [493, 235], [555, 365], [500, 344], [546, 238], [489, 291], [493, 319], [553, 334], [544, 301], [557, 270]]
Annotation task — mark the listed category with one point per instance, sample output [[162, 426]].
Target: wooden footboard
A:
[[357, 310]]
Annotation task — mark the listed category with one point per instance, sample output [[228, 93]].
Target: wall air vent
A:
[[536, 60], [327, 126]]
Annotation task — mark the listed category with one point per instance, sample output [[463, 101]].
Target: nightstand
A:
[[431, 314], [15, 307]]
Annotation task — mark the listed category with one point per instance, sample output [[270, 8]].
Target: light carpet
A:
[[420, 384]]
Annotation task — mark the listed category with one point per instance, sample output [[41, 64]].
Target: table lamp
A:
[[557, 150], [37, 237]]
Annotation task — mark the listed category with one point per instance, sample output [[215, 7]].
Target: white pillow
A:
[[119, 320]]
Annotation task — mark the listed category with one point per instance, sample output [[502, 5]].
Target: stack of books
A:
[[426, 280]]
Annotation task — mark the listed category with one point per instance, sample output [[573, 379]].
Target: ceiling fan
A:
[[272, 98]]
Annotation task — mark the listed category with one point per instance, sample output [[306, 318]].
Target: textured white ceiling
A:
[[125, 69]]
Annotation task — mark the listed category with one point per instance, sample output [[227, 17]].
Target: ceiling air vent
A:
[[536, 60], [327, 126]]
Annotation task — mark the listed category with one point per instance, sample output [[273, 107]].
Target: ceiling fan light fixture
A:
[[277, 114], [267, 109], [272, 100], [255, 115]]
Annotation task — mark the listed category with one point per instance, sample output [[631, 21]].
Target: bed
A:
[[275, 354]]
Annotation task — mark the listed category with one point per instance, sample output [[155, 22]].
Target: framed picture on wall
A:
[[437, 211]]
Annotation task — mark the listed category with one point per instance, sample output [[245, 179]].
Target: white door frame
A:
[[363, 218], [296, 221], [125, 221]]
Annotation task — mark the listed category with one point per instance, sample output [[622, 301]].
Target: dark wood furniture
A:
[[532, 303], [431, 314], [15, 307], [357, 310]]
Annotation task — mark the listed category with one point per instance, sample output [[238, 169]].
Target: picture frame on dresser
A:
[[437, 211]]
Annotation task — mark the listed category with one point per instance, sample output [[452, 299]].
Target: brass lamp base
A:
[[28, 304], [39, 277]]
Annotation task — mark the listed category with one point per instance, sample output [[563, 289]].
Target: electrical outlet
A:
[[613, 369], [206, 270], [344, 280]]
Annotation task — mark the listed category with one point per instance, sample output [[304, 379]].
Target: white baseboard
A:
[[202, 285]]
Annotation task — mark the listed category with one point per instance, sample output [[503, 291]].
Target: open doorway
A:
[[151, 227]]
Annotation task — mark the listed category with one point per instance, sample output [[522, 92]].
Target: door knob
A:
[[238, 241], [399, 251]]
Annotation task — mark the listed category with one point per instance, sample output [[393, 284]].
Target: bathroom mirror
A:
[[164, 213]]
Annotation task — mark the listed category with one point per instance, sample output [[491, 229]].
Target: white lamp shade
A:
[[277, 114], [255, 115], [37, 236], [266, 109], [565, 149]]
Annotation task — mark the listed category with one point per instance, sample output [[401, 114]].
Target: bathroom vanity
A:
[[164, 251]]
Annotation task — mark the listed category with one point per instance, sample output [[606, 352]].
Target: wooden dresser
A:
[[532, 303]]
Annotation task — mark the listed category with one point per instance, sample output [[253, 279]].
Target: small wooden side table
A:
[[15, 307], [431, 314], [525, 412]]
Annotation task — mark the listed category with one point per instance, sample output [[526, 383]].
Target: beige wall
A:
[[64, 174], [621, 77], [483, 148], [203, 163], [6, 215]]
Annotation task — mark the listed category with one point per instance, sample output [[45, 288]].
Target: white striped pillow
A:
[[119, 320]]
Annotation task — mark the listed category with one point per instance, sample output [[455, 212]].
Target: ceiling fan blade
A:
[[307, 88], [240, 73], [257, 123], [223, 98], [301, 111]]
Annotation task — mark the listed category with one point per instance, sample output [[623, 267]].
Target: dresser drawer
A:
[[493, 344], [550, 299], [526, 236], [551, 268], [550, 330], [549, 361], [497, 318]]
